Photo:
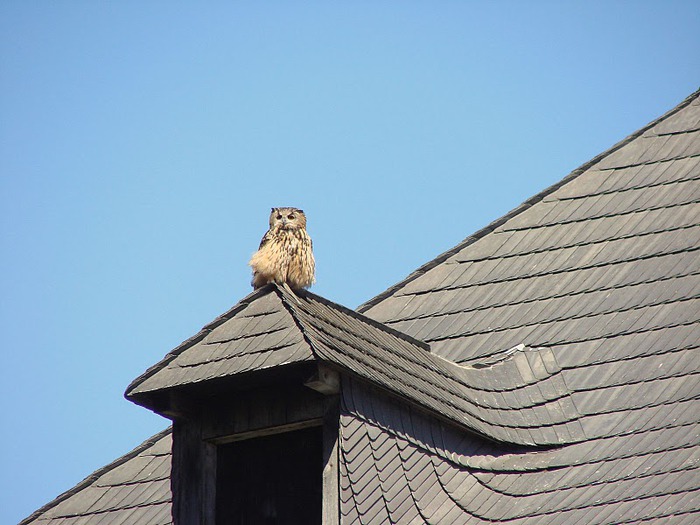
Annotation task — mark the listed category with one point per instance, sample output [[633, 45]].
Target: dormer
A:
[[255, 401], [255, 419]]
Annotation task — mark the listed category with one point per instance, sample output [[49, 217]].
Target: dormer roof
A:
[[258, 333], [516, 397]]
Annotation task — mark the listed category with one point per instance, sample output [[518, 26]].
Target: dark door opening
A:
[[269, 480]]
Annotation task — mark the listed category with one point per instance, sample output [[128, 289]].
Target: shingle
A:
[[680, 122]]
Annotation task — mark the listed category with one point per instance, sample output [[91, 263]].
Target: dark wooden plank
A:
[[193, 475], [261, 411], [331, 489]]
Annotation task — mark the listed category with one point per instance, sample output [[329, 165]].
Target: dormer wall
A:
[[285, 423]]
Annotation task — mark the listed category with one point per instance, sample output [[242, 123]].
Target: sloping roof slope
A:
[[133, 489], [612, 251], [604, 271]]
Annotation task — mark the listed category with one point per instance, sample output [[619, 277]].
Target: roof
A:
[[586, 295], [132, 489], [602, 270], [517, 398], [612, 251]]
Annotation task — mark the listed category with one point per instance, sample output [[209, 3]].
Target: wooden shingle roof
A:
[[602, 270], [611, 251], [572, 323]]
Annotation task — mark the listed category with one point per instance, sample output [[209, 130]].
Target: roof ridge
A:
[[522, 207], [89, 480], [360, 317], [287, 300]]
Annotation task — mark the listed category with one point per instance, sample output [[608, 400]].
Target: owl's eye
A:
[[290, 216]]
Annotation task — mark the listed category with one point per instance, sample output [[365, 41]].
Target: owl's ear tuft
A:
[[299, 210], [272, 209]]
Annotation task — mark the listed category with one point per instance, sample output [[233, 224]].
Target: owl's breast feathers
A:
[[284, 256]]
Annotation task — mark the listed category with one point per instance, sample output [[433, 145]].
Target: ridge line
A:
[[367, 305]]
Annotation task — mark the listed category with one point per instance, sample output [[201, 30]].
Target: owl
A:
[[285, 254]]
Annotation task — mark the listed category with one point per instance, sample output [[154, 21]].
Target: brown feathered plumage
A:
[[285, 255]]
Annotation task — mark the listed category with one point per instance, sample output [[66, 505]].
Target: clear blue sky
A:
[[142, 145]]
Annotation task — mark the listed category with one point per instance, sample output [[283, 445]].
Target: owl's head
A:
[[287, 219]]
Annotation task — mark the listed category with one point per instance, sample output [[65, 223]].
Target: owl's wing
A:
[[266, 238]]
